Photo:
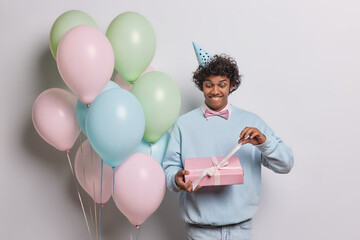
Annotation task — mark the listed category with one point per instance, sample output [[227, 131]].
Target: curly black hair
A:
[[220, 65]]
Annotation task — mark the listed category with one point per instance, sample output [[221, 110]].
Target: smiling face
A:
[[216, 90]]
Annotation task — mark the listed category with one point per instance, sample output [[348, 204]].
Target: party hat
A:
[[202, 56]]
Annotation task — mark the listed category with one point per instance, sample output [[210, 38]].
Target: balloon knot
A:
[[137, 226], [67, 151], [102, 205], [88, 105]]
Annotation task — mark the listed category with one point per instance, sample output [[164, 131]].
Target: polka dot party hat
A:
[[202, 56]]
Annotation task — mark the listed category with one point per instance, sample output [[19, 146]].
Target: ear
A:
[[201, 86], [231, 88]]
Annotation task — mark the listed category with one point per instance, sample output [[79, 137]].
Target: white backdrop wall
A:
[[300, 62]]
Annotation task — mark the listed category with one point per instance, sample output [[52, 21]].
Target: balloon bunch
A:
[[126, 121]]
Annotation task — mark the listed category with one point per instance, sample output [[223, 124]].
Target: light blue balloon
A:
[[115, 125], [156, 150], [82, 109], [81, 113]]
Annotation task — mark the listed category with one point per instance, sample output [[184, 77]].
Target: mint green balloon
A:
[[133, 40], [160, 99], [64, 23]]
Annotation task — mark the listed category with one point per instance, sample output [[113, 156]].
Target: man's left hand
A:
[[252, 135]]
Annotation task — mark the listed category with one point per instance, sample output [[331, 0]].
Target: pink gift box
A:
[[231, 174]]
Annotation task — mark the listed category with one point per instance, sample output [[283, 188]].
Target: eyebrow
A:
[[208, 80]]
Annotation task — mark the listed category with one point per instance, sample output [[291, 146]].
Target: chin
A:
[[215, 107]]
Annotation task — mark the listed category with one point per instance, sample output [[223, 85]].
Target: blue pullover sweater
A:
[[195, 136]]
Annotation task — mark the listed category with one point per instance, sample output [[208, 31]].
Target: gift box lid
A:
[[206, 162]]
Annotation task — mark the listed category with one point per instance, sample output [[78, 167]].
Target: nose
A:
[[215, 90]]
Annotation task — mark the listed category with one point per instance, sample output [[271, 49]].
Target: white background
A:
[[300, 62]]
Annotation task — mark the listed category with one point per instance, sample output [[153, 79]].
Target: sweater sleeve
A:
[[275, 155], [172, 161]]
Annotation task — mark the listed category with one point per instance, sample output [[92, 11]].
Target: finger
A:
[[186, 187], [197, 188], [254, 134], [188, 184], [180, 183], [248, 133], [180, 176], [245, 141], [254, 131], [183, 172], [180, 179], [249, 140], [241, 139], [257, 134], [243, 132]]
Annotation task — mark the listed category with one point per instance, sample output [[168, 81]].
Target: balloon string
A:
[[82, 160], [101, 182], [151, 149], [91, 153], [101, 186], [113, 182], [77, 189], [137, 232], [92, 219], [96, 224]]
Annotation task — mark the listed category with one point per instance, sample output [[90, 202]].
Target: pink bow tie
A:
[[210, 113]]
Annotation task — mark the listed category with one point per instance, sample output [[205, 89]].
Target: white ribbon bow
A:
[[214, 170]]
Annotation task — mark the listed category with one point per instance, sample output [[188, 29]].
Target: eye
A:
[[222, 85], [208, 85]]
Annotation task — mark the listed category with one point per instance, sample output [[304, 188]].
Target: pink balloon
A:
[[139, 187], [148, 69], [119, 80], [88, 173], [85, 60], [127, 85], [54, 118]]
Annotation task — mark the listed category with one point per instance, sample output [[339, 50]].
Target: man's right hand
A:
[[180, 181]]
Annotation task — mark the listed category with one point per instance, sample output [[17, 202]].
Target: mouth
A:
[[214, 97]]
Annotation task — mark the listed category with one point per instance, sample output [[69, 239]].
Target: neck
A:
[[216, 109]]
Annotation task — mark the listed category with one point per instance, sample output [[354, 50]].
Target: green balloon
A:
[[160, 99], [133, 40], [64, 23]]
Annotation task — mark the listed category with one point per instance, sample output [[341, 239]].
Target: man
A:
[[221, 212]]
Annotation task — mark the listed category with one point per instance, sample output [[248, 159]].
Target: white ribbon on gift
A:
[[214, 170]]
